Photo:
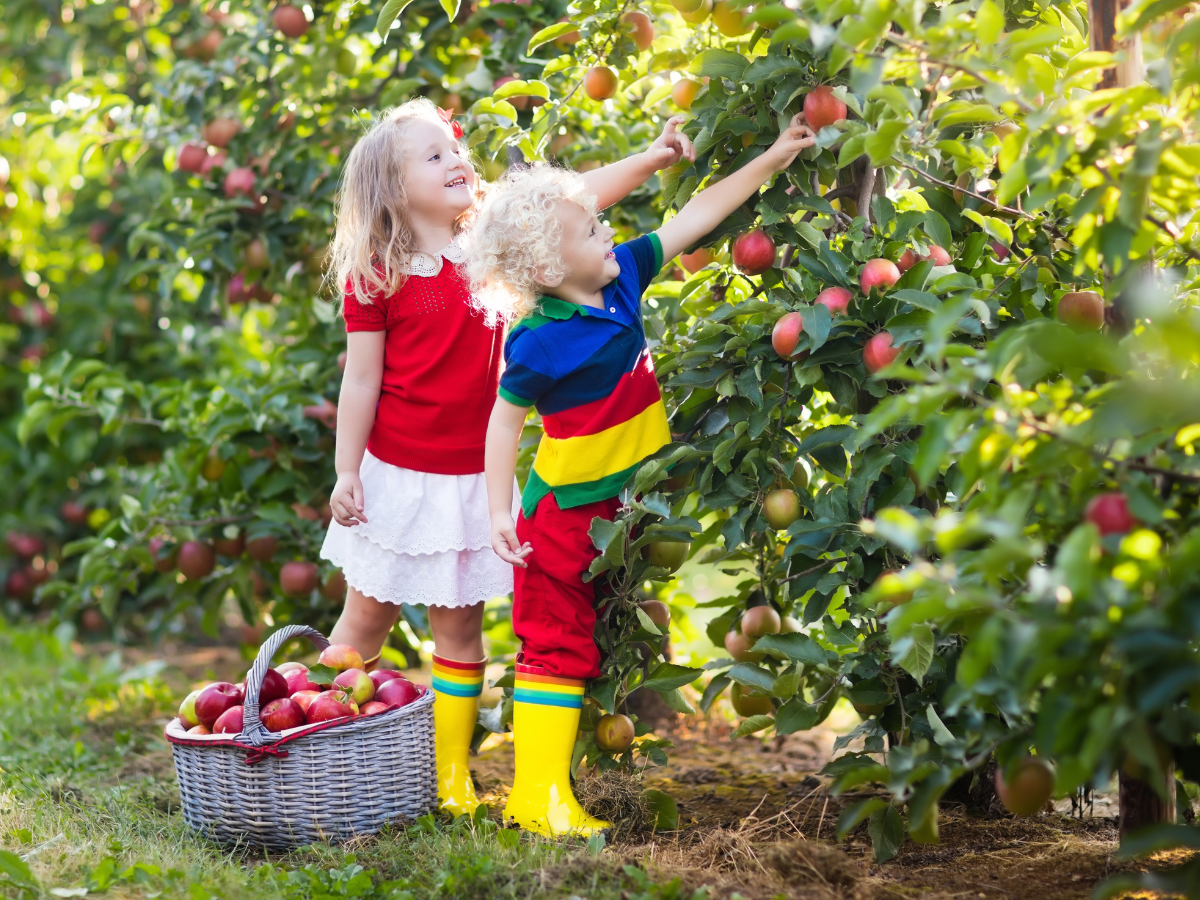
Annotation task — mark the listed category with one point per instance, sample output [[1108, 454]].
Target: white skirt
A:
[[426, 541]]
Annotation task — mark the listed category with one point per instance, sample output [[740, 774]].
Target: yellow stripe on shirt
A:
[[590, 457]]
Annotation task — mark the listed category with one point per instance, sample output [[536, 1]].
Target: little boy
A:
[[539, 254]]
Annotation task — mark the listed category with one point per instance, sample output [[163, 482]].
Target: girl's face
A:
[[438, 180]]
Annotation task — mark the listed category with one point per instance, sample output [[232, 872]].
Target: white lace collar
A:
[[426, 265]]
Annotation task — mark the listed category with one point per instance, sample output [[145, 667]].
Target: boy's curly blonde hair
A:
[[515, 239]]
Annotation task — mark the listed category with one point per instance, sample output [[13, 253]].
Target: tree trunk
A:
[[1142, 805], [1102, 26]]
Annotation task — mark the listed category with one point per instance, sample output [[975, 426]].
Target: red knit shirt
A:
[[441, 365]]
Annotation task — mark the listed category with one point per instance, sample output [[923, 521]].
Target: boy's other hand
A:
[[671, 146], [347, 500], [796, 137], [506, 544]]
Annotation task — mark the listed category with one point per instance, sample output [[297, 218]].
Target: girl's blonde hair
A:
[[374, 238], [515, 237]]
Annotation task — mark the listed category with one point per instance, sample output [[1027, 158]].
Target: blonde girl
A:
[[411, 521]]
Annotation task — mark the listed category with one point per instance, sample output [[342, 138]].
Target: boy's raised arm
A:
[[612, 183], [711, 206]]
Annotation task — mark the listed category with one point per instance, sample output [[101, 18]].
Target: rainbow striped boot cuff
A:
[[547, 690], [458, 679]]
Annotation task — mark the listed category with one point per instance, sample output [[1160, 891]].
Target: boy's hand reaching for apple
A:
[[506, 543], [796, 137], [671, 146]]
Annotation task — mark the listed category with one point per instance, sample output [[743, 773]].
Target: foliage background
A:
[[132, 356]]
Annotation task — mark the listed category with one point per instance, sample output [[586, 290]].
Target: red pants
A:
[[553, 612]]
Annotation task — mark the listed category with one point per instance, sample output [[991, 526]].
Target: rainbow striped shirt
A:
[[589, 373]]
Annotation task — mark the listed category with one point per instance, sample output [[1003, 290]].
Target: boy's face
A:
[[438, 182], [587, 249]]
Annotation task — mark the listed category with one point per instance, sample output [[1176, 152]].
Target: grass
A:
[[89, 805]]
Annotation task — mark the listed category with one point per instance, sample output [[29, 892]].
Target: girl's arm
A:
[[356, 415], [612, 183], [711, 206], [499, 467]]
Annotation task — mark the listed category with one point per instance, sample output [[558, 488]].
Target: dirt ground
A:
[[755, 819]]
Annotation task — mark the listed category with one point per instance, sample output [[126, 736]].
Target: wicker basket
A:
[[324, 782]]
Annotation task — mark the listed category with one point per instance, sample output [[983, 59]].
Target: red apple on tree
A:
[[907, 260], [1028, 789], [19, 585], [239, 182], [164, 552], [1081, 310], [786, 334], [738, 646], [1110, 513], [334, 586], [1002, 252], [24, 545], [282, 714], [289, 20], [212, 161], [878, 273], [835, 299], [695, 261], [261, 549], [255, 255], [197, 560], [939, 256], [781, 508], [754, 252], [219, 132], [758, 621], [614, 732], [878, 353], [600, 82], [641, 27], [191, 157], [298, 579], [822, 108]]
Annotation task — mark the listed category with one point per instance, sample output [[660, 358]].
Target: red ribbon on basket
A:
[[261, 753], [447, 116]]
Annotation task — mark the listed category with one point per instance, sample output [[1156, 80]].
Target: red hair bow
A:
[[448, 117]]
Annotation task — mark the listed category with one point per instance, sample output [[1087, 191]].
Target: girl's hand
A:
[[671, 146], [347, 501], [506, 543], [796, 137]]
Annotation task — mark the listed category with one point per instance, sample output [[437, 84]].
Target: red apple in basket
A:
[[341, 657], [198, 729], [274, 686], [229, 722], [290, 666], [374, 708], [397, 692], [187, 711], [282, 714], [215, 700], [304, 700], [331, 705], [381, 676], [358, 683], [297, 681]]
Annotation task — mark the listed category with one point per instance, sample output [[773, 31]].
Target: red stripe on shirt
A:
[[636, 391]]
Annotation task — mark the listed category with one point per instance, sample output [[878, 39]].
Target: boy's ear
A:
[[542, 278]]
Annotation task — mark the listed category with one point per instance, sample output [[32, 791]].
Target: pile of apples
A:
[[293, 695]]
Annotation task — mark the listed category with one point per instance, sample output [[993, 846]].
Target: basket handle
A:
[[253, 730]]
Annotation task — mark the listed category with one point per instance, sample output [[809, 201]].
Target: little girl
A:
[[411, 521]]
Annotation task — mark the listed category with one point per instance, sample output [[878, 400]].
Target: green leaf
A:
[[796, 715], [852, 815], [550, 33], [645, 621], [989, 22], [713, 690], [18, 872], [666, 810], [522, 89], [677, 702], [938, 229], [603, 532], [942, 735], [34, 416], [886, 829], [388, 15], [320, 674], [719, 64], [882, 144], [796, 646], [913, 652], [752, 676], [670, 676], [451, 8], [751, 725]]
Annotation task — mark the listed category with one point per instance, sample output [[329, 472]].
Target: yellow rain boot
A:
[[456, 688], [545, 722]]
